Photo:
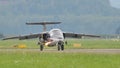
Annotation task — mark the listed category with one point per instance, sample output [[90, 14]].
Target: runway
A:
[[108, 51]]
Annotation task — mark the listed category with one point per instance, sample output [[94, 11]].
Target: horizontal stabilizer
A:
[[43, 23]]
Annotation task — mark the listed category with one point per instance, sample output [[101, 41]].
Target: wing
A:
[[75, 35], [31, 36]]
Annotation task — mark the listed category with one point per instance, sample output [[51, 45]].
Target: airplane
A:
[[54, 37]]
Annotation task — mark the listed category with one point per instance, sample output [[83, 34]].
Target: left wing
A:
[[31, 36], [75, 35]]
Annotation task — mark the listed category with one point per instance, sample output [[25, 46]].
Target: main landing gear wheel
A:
[[41, 47], [60, 46]]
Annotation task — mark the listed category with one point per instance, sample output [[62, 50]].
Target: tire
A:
[[58, 47], [41, 47], [62, 47]]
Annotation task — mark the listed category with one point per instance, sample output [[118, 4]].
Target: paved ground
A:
[[109, 51]]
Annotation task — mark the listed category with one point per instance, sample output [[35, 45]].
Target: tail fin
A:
[[43, 24]]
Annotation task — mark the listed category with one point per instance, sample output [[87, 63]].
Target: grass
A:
[[85, 43], [96, 43], [23, 59], [11, 43], [35, 59]]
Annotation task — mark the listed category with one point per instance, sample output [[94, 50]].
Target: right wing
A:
[[75, 35], [31, 36]]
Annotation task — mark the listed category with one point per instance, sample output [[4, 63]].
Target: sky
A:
[[115, 3], [15, 12]]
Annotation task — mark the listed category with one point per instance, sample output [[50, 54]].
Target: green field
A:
[[22, 59], [35, 59], [85, 43]]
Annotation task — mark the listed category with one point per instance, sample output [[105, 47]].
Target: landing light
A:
[[47, 43]]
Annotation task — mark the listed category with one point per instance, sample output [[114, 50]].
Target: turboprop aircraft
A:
[[54, 37]]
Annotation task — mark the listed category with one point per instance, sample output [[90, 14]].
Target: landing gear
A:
[[41, 47], [60, 46]]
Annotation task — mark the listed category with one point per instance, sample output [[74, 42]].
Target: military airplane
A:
[[54, 37]]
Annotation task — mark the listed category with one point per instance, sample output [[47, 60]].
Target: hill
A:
[[83, 16]]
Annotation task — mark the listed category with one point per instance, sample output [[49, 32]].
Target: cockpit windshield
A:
[[56, 33]]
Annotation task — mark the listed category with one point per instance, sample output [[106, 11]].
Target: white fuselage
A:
[[55, 35]]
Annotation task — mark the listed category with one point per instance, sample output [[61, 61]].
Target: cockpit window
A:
[[45, 36], [56, 34]]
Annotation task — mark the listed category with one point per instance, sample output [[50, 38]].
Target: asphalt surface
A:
[[109, 51]]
